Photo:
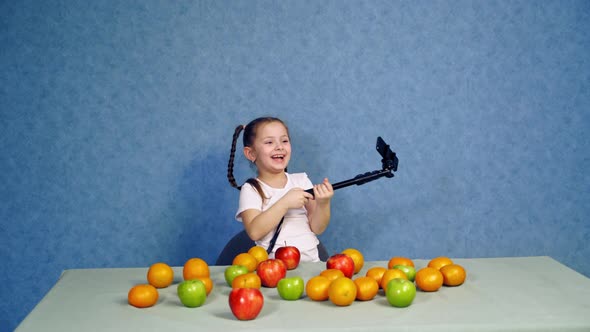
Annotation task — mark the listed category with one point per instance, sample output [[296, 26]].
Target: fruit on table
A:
[[195, 268], [246, 303], [208, 282], [453, 275], [410, 271], [342, 291], [439, 262], [233, 271], [192, 293], [248, 280], [291, 288], [332, 274], [317, 287], [142, 296], [376, 272], [400, 292], [160, 275], [389, 275], [366, 288], [429, 279], [341, 262], [259, 253], [399, 260], [247, 260], [357, 258], [290, 255], [271, 271]]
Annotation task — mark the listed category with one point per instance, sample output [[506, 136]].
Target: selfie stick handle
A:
[[360, 179]]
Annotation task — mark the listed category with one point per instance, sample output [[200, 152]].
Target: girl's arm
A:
[[258, 223], [319, 208]]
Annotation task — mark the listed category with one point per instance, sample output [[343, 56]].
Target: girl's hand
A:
[[296, 198], [323, 192]]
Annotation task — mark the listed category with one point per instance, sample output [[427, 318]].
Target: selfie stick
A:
[[389, 165]]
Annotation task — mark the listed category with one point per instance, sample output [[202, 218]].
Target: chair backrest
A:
[[241, 242]]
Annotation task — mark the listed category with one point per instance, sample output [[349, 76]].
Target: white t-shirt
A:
[[295, 230]]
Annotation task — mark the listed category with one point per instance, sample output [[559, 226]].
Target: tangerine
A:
[[398, 260], [439, 262], [317, 288], [247, 260], [332, 274], [357, 258], [390, 274], [429, 279], [160, 275], [142, 296], [195, 268], [376, 272], [247, 280], [366, 288], [259, 253], [453, 274], [342, 291], [208, 282]]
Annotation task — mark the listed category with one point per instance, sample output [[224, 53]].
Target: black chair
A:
[[241, 242]]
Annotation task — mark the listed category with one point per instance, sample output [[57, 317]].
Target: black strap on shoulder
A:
[[274, 237]]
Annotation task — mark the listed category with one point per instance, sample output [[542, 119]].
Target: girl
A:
[[275, 194]]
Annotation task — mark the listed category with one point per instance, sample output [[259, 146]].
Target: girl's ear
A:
[[249, 154]]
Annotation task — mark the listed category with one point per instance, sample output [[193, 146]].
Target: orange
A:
[[391, 274], [332, 274], [195, 268], [317, 288], [142, 296], [259, 253], [366, 288], [439, 262], [160, 275], [208, 283], [357, 258], [248, 280], [247, 260], [376, 272], [342, 291], [453, 274], [429, 279], [399, 261]]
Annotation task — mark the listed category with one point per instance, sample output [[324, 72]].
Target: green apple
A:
[[233, 271], [400, 292], [410, 271], [192, 293], [291, 288]]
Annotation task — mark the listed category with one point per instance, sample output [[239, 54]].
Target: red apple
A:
[[271, 271], [246, 303], [289, 255], [341, 262]]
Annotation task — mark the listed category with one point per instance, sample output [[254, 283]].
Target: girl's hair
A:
[[250, 131]]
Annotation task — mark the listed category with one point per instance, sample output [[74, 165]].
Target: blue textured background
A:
[[116, 123]]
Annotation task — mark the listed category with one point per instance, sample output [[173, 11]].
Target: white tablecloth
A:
[[500, 294]]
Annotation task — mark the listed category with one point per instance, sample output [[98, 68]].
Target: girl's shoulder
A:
[[300, 180]]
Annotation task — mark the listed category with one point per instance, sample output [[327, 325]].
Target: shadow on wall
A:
[[207, 203]]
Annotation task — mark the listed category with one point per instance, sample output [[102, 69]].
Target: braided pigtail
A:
[[232, 154]]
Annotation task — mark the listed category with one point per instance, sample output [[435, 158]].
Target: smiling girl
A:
[[275, 194]]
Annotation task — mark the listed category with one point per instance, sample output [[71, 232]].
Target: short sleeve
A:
[[249, 199], [301, 180]]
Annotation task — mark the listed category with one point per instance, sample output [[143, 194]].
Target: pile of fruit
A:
[[253, 269]]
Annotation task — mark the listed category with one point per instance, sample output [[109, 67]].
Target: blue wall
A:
[[116, 122]]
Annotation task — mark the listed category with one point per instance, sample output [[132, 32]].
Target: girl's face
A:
[[271, 150]]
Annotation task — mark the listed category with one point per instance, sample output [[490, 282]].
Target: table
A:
[[500, 294]]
